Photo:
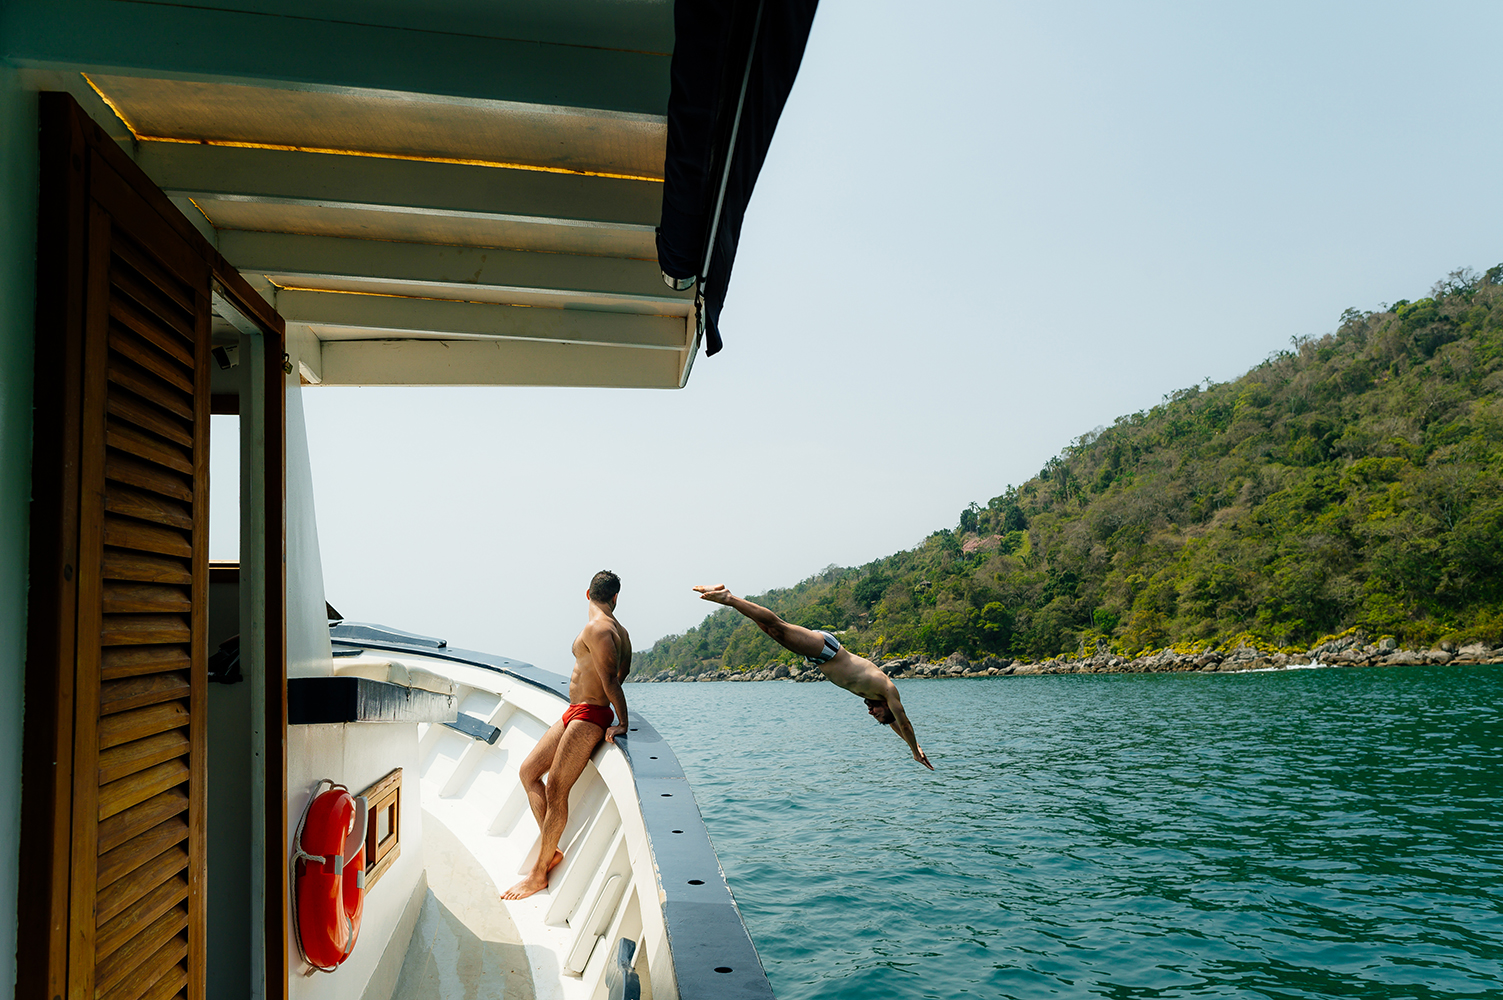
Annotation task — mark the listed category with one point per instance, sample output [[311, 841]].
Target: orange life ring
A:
[[328, 875]]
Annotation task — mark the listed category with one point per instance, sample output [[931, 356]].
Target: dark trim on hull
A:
[[325, 701]]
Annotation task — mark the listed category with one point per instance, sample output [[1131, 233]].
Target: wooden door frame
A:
[[244, 299], [68, 138]]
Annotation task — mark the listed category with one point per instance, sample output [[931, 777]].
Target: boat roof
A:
[[452, 192]]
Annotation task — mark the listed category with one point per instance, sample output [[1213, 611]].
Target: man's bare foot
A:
[[534, 883], [718, 593]]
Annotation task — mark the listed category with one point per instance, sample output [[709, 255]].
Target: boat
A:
[[640, 897], [208, 210]]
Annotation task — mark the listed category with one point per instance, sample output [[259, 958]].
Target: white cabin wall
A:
[[18, 228], [357, 756], [308, 647]]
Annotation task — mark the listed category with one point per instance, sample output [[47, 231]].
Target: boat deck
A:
[[465, 944]]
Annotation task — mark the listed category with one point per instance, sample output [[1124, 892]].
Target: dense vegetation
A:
[[1352, 480]]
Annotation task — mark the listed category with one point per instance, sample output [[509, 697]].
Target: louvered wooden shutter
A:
[[136, 896]]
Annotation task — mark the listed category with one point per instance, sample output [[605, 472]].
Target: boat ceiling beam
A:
[[451, 271], [497, 362], [323, 180], [341, 316], [314, 53]]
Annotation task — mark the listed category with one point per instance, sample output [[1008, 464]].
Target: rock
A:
[[1403, 658], [1025, 668], [781, 670], [1474, 652], [1449, 647], [893, 668], [1387, 645], [1325, 651], [1438, 656]]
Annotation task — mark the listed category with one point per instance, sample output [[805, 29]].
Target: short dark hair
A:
[[874, 702], [603, 586]]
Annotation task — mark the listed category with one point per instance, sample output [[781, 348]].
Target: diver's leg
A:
[[794, 638]]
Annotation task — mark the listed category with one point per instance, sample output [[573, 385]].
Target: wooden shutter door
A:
[[139, 758], [112, 900]]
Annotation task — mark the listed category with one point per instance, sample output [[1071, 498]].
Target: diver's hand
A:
[[922, 758]]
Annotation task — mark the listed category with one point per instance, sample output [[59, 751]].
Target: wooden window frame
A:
[[385, 794]]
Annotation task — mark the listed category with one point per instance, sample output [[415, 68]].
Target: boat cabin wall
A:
[[357, 755], [18, 228], [308, 648]]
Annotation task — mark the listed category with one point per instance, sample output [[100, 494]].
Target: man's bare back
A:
[[602, 634]]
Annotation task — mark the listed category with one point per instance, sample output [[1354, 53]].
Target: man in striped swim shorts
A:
[[856, 674]]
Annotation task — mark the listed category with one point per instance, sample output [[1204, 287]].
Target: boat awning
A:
[[446, 193], [734, 64]]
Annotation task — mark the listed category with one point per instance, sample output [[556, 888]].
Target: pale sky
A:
[[983, 229]]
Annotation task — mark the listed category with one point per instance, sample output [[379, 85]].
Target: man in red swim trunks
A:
[[602, 659]]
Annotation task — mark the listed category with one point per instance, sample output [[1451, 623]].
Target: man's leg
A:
[[575, 746], [794, 638], [535, 766]]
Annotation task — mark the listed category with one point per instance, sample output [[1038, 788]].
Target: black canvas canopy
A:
[[734, 63]]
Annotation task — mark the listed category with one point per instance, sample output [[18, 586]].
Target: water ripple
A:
[[1322, 833]]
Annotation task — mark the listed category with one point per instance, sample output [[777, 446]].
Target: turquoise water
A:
[[1309, 833]]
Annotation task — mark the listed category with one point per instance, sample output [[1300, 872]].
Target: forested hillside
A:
[[1352, 480]]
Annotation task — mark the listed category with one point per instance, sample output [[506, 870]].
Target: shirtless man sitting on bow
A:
[[602, 659], [856, 674]]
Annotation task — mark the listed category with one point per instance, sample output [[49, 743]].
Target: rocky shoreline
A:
[[1346, 651]]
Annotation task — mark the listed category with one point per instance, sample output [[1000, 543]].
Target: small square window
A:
[[383, 828]]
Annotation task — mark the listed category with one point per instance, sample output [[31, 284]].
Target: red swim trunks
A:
[[600, 715]]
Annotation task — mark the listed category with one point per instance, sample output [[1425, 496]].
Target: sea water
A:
[[1311, 833]]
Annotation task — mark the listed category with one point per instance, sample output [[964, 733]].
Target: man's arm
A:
[[623, 658], [606, 661], [904, 728]]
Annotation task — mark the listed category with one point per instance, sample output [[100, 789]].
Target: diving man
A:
[[856, 674], [602, 659]]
